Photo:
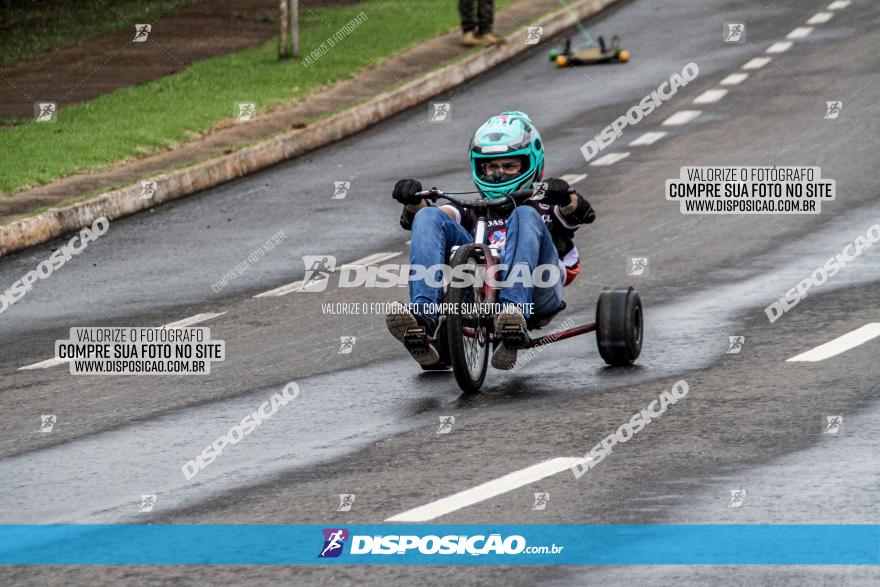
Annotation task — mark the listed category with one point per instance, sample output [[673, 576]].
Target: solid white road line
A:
[[757, 63], [296, 285], [179, 324], [649, 138], [573, 179], [800, 32], [681, 117], [488, 490], [839, 345], [734, 79], [710, 96], [820, 17], [838, 4], [780, 47], [609, 159]]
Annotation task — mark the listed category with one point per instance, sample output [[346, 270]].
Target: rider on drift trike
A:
[[506, 155]]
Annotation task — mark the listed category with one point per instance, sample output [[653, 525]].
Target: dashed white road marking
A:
[[820, 17], [838, 4], [610, 159], [487, 490], [710, 96], [44, 364], [839, 345], [280, 291], [779, 47], [296, 285], [800, 32], [649, 138], [757, 63], [373, 259], [681, 117], [734, 79], [573, 179], [179, 324], [193, 320]]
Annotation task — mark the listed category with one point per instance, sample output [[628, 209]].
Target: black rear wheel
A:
[[467, 333], [619, 326]]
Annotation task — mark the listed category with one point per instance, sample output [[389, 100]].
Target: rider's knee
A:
[[525, 216], [526, 213], [429, 215]]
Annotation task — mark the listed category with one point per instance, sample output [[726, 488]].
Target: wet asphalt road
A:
[[366, 422]]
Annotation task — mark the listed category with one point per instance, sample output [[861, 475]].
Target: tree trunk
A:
[[294, 26], [284, 19]]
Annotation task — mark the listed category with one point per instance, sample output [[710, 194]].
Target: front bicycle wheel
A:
[[467, 330]]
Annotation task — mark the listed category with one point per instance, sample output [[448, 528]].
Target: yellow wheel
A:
[[561, 60], [623, 55]]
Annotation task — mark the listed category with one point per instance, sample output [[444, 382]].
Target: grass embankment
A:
[[148, 118], [31, 27]]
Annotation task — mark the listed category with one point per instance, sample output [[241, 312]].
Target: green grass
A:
[[30, 27], [151, 117]]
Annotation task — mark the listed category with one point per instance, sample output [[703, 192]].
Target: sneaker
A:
[[509, 324], [470, 39], [413, 330], [490, 39], [536, 323]]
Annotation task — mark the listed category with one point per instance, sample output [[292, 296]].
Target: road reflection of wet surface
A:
[[334, 414]]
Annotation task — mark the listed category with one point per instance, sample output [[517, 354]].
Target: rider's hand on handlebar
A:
[[557, 192], [405, 190]]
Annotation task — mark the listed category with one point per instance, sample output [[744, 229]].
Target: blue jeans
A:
[[528, 243]]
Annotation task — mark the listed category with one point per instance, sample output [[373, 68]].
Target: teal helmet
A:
[[508, 135]]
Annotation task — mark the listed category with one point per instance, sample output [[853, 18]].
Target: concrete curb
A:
[[179, 183]]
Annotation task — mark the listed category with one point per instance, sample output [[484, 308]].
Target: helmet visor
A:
[[501, 170]]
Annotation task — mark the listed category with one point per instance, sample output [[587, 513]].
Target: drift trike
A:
[[464, 338]]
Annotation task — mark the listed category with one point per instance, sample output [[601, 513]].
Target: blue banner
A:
[[523, 544]]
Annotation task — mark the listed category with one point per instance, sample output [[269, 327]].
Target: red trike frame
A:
[[490, 292]]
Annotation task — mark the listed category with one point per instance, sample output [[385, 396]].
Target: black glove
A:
[[584, 213], [405, 190], [557, 192]]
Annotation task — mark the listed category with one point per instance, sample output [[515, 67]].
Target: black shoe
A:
[[413, 331], [510, 325], [536, 322]]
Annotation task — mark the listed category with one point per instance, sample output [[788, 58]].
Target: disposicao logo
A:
[[334, 540]]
